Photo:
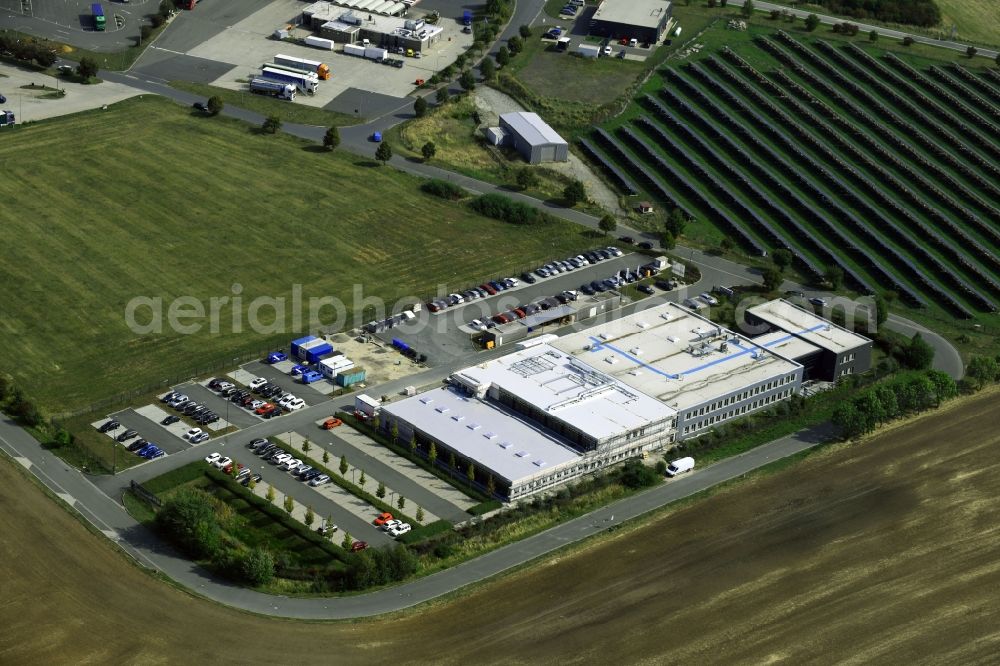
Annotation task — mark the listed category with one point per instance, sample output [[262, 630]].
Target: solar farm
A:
[[844, 157]]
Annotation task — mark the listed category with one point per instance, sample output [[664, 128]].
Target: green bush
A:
[[442, 188], [635, 474], [503, 208], [188, 519]]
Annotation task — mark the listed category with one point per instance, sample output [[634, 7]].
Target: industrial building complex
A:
[[547, 413], [344, 26]]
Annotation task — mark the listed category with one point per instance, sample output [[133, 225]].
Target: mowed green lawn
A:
[[145, 199]]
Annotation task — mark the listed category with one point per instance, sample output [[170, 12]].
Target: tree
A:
[[873, 36], [401, 503], [428, 150], [635, 474], [343, 466], [983, 370], [329, 527], [526, 178], [346, 543], [384, 152], [394, 432], [188, 518], [420, 514], [747, 9], [608, 224], [326, 457], [772, 278], [503, 56], [676, 222], [420, 107], [215, 105], [488, 68], [271, 124], [971, 52], [331, 139], [270, 493], [251, 484], [289, 503], [812, 22], [524, 31], [491, 486], [668, 241], [452, 463], [87, 69], [881, 305], [380, 491], [907, 41], [918, 355], [470, 473], [515, 44], [574, 193], [45, 57], [432, 453], [443, 95], [467, 80], [306, 446], [834, 275], [362, 480], [850, 421], [310, 516], [257, 566], [782, 258]]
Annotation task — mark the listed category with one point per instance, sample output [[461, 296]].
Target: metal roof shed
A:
[[533, 138]]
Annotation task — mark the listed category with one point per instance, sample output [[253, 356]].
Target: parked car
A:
[[399, 530], [382, 519], [256, 478], [192, 433], [626, 239], [170, 420], [327, 528], [127, 435], [646, 245], [319, 480], [819, 302], [137, 444], [708, 298], [200, 106], [297, 369], [199, 438], [170, 396], [211, 458], [358, 546], [680, 466], [646, 289], [296, 404], [108, 426], [159, 454], [528, 277], [302, 470], [257, 444], [310, 475], [277, 357]]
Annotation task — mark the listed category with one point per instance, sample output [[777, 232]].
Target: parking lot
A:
[[445, 337], [247, 44]]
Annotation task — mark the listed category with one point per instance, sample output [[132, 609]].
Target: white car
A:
[[607, 50], [613, 250], [243, 472], [399, 530], [256, 383], [192, 433], [278, 460], [286, 399], [256, 404], [708, 298], [319, 480], [212, 457], [199, 438], [222, 462], [296, 404], [289, 464], [225, 385], [391, 524]]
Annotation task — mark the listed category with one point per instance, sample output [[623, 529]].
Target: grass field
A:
[[148, 199], [879, 552], [289, 112], [708, 118]]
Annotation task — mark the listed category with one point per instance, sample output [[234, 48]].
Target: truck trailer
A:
[[302, 64], [376, 54], [305, 81], [354, 50], [272, 88], [319, 42]]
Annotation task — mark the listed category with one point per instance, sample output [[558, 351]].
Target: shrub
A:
[[443, 188], [256, 566], [574, 193], [634, 474], [420, 107], [188, 519], [503, 208], [215, 105]]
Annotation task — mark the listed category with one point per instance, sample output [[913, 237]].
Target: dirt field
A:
[[883, 552]]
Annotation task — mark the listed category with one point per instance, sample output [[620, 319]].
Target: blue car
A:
[[159, 454], [499, 286], [298, 369], [150, 452], [142, 452], [277, 357]]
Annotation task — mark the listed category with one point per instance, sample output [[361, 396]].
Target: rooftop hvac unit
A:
[[642, 324], [665, 316], [611, 360], [635, 351]]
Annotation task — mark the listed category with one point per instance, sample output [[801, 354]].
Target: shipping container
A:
[[350, 377], [296, 345], [316, 354], [319, 42]]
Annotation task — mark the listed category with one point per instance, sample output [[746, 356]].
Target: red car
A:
[[488, 289], [358, 545], [501, 319], [383, 518], [433, 306], [520, 313]]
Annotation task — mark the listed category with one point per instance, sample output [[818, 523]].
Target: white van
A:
[[680, 466]]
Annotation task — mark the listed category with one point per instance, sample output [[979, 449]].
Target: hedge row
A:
[[443, 188], [504, 208]]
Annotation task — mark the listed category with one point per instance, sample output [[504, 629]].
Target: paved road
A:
[[111, 519], [866, 27]]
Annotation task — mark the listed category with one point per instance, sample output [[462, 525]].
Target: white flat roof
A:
[[497, 440], [807, 325], [591, 402], [675, 355], [645, 13], [531, 128], [786, 344]]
